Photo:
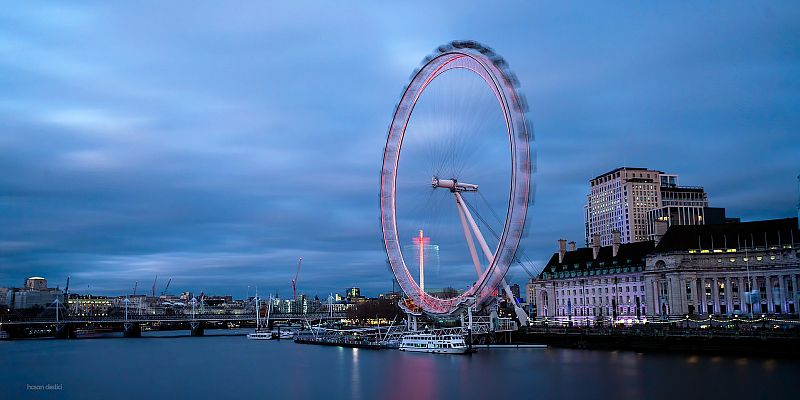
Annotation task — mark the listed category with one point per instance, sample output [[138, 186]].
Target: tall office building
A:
[[641, 204], [619, 201]]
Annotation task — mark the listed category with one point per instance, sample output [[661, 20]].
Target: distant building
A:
[[353, 293], [34, 293], [709, 269], [391, 295], [218, 301], [34, 298], [299, 306], [88, 305], [515, 291], [36, 283], [338, 306], [6, 298]]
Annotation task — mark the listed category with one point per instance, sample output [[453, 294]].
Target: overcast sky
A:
[[215, 143]]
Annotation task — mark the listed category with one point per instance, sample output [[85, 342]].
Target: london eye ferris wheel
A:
[[457, 164]]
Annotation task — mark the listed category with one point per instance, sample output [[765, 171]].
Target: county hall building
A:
[[695, 270]]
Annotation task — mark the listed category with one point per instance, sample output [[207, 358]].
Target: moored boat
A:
[[433, 343], [286, 331], [261, 334]]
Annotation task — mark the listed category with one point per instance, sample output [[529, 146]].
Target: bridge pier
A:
[[132, 330], [197, 327], [65, 331]]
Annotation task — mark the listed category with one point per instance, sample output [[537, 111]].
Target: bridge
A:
[[131, 325]]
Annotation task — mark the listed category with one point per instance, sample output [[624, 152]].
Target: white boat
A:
[[286, 331], [260, 334], [431, 343]]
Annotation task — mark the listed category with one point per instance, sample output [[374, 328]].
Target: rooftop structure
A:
[[769, 234], [36, 283]]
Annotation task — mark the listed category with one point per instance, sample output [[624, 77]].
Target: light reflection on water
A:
[[234, 367]]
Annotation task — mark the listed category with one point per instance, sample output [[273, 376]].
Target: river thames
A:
[[163, 365]]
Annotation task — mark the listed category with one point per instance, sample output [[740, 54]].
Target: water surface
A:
[[234, 367]]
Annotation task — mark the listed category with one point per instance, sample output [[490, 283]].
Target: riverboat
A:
[[432, 343]]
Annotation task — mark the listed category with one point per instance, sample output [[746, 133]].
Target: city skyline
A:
[[210, 151]]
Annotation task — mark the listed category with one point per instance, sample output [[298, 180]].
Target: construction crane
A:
[[294, 281], [135, 285], [154, 286], [166, 287]]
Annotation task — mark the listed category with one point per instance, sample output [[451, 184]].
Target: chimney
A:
[[572, 246], [615, 241], [660, 230], [595, 245], [562, 249]]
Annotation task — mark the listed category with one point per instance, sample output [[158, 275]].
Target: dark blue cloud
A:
[[218, 143]]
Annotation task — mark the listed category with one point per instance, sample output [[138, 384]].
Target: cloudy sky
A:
[[215, 143]]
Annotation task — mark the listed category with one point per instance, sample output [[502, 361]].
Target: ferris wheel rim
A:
[[493, 70]]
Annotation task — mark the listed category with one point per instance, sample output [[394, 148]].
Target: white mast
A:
[[258, 312], [269, 308]]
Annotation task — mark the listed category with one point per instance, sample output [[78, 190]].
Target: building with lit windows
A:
[[592, 284], [6, 297], [88, 305], [641, 204], [679, 206], [29, 298], [619, 201], [34, 293], [710, 269], [683, 205], [353, 293], [299, 305], [695, 270]]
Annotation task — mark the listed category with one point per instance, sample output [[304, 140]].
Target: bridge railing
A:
[[171, 318]]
